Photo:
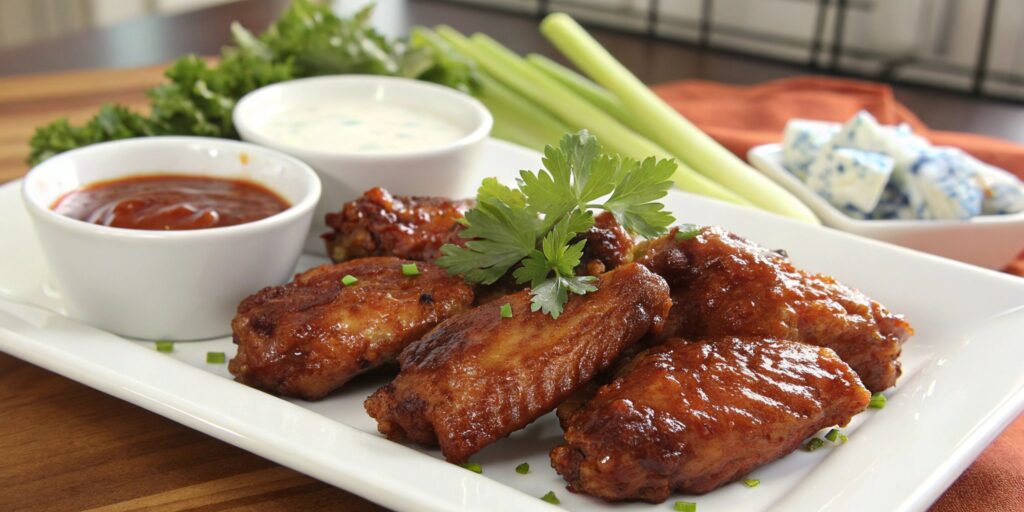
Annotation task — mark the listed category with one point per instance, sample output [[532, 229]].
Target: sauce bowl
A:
[[172, 285], [440, 169]]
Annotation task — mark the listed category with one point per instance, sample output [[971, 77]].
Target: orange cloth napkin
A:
[[741, 117]]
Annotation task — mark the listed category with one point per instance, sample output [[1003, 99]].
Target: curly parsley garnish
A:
[[534, 227]]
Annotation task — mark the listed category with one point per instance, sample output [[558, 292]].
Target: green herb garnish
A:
[[474, 467], [551, 498], [164, 346], [506, 310], [814, 444], [833, 435], [750, 482], [687, 231], [410, 269], [877, 401], [215, 357], [534, 227], [684, 506], [523, 468], [349, 280], [308, 39]]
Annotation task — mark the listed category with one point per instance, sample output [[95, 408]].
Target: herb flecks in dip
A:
[[366, 126], [170, 202]]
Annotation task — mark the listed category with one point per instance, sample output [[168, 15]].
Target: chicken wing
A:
[[693, 416], [478, 377], [380, 224], [310, 336], [724, 285]]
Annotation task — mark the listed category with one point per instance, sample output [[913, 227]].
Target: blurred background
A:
[[973, 46]]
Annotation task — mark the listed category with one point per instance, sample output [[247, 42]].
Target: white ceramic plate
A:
[[962, 384], [990, 241]]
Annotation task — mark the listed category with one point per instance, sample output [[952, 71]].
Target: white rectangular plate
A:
[[962, 384]]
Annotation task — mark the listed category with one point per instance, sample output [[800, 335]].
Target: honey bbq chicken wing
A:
[[724, 285], [693, 416], [310, 336], [380, 224], [478, 377]]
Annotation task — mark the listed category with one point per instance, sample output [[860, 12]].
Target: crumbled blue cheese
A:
[[803, 141], [948, 184], [850, 179], [896, 174]]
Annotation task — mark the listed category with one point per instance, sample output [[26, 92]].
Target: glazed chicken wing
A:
[[310, 336], [724, 285], [380, 224], [693, 416], [478, 377]]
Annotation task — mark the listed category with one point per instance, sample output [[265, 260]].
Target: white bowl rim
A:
[[768, 153], [254, 98], [309, 199]]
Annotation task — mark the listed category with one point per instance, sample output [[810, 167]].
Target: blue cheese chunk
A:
[[948, 184], [1003, 192], [851, 179], [802, 142]]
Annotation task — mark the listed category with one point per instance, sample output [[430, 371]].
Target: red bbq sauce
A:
[[164, 202]]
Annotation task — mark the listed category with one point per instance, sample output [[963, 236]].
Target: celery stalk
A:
[[666, 126], [516, 119], [547, 92], [582, 86]]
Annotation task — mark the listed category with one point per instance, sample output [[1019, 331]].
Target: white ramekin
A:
[[175, 285], [436, 171]]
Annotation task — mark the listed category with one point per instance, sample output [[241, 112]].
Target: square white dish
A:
[[990, 241], [962, 384]]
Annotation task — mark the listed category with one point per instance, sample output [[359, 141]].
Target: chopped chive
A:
[[349, 280], [410, 269], [685, 506], [843, 439], [215, 357], [833, 435], [687, 231], [506, 310], [551, 498], [751, 482], [474, 467], [877, 401], [523, 468], [164, 346], [814, 444]]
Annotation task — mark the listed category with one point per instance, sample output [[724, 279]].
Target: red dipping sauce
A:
[[163, 202]]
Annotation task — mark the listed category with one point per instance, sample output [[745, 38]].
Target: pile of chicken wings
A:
[[700, 357]]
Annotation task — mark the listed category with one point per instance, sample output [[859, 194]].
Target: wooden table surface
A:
[[68, 447]]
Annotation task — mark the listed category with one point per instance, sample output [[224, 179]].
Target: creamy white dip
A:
[[362, 126]]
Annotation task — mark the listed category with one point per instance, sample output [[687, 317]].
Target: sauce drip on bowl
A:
[[170, 202]]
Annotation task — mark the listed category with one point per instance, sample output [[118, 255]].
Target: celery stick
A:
[[582, 86], [547, 92], [666, 126], [516, 119]]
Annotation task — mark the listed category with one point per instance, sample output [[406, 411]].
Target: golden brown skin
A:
[[380, 224], [310, 336], [691, 417], [724, 285], [479, 377]]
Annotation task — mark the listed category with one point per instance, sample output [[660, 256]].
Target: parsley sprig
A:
[[535, 227]]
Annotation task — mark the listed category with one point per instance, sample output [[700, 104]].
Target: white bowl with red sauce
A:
[[362, 131], [162, 237]]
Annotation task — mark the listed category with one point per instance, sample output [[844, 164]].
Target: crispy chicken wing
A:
[[478, 377], [693, 416], [310, 336], [724, 285], [380, 224]]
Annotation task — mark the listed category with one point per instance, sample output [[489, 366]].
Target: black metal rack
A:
[[978, 74]]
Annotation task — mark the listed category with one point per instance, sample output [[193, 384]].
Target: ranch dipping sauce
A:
[[361, 126]]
